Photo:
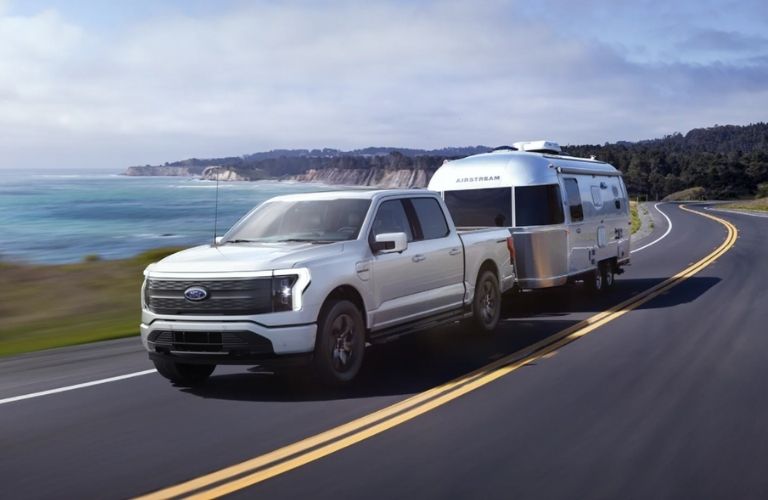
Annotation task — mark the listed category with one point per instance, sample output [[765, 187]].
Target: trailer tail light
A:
[[511, 248]]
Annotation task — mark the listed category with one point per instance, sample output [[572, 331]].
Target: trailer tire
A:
[[486, 305], [596, 279], [609, 275], [340, 343], [183, 374]]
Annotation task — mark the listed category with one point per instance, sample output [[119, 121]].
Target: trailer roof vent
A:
[[504, 148], [539, 147]]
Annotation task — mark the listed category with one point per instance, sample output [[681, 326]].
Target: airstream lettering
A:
[[568, 216]]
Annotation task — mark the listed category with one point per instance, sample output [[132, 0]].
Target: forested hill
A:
[[728, 161]]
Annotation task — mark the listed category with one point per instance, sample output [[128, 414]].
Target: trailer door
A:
[[580, 244]]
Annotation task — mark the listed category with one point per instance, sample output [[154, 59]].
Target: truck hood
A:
[[244, 257]]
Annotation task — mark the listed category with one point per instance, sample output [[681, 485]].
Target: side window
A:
[[574, 200], [538, 205], [391, 218], [597, 198], [431, 218], [480, 207]]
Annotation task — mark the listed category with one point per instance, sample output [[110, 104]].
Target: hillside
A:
[[729, 161]]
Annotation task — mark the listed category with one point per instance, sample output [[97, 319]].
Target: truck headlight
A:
[[144, 294], [282, 292], [287, 288]]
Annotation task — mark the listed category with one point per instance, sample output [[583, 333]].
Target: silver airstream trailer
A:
[[569, 217]]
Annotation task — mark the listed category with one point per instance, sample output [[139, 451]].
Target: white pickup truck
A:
[[314, 278]]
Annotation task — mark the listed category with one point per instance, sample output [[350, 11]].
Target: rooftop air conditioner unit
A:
[[539, 147]]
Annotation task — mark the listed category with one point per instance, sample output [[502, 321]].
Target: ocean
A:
[[60, 217]]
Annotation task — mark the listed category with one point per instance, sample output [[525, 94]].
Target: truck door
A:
[[412, 284], [442, 256], [580, 244]]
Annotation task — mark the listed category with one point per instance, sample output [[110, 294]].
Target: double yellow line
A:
[[261, 468]]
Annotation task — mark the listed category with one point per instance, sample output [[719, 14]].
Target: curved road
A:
[[665, 400]]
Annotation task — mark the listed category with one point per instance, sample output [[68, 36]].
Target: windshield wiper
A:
[[304, 240], [241, 241]]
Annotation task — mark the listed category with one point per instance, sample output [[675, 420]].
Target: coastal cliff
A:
[[374, 167], [233, 174], [164, 171], [374, 177]]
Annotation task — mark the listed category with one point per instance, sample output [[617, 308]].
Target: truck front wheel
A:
[[486, 306], [340, 344], [183, 374]]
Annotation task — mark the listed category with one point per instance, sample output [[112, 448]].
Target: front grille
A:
[[229, 342], [246, 296]]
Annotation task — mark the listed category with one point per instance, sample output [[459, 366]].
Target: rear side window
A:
[[574, 200], [538, 205], [391, 218], [430, 217], [480, 207]]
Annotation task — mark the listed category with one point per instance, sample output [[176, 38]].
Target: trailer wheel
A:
[[609, 276], [486, 306], [596, 279], [340, 344], [183, 374]]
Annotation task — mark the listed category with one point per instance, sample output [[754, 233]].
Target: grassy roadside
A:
[[758, 204], [44, 306], [635, 217]]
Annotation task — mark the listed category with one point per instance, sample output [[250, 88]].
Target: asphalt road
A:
[[667, 401]]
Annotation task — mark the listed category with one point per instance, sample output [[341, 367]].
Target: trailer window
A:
[[538, 205], [480, 207], [574, 200]]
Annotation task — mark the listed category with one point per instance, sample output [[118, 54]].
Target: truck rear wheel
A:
[[340, 344], [183, 374], [486, 306]]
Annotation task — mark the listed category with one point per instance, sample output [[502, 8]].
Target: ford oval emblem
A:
[[196, 293]]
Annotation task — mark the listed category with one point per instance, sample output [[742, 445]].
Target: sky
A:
[[90, 84]]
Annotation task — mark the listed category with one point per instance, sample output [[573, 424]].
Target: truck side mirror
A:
[[389, 243]]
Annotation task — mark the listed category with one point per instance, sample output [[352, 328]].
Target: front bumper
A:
[[225, 342]]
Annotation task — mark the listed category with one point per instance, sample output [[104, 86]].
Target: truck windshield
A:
[[319, 221]]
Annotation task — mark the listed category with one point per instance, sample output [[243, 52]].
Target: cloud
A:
[[340, 74], [723, 41]]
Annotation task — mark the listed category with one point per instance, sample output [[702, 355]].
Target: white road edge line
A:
[[669, 229], [76, 386]]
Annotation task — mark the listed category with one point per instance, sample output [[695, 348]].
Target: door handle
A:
[[418, 258], [455, 251]]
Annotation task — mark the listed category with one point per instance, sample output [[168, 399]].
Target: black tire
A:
[[595, 280], [183, 374], [486, 306], [609, 276], [340, 344]]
